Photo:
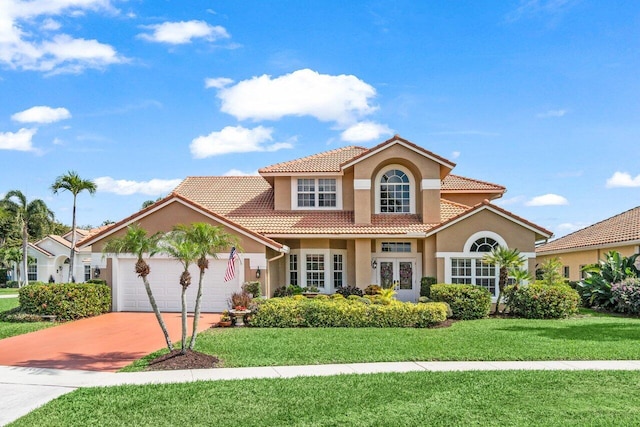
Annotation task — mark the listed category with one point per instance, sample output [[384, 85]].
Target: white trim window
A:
[[395, 191], [315, 270], [87, 272], [293, 269], [338, 271], [316, 193], [32, 272]]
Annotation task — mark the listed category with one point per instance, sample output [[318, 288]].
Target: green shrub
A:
[[97, 281], [540, 301], [466, 301], [346, 291], [287, 291], [12, 284], [348, 313], [372, 290], [66, 301], [425, 286], [252, 288]]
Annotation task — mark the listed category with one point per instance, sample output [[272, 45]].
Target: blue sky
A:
[[541, 96]]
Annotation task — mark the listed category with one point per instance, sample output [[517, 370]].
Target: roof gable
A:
[[623, 228], [397, 140], [486, 205]]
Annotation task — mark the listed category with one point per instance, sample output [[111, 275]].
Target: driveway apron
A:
[[102, 343]]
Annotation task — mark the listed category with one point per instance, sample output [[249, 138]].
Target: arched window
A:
[[395, 192], [484, 244]]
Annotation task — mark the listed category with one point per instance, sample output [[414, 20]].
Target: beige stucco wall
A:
[[282, 193], [429, 264], [453, 238], [347, 191], [165, 219], [576, 259], [362, 262]]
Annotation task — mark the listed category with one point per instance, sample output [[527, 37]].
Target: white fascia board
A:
[[362, 184], [371, 153]]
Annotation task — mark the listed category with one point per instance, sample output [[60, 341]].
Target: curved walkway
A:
[[25, 389]]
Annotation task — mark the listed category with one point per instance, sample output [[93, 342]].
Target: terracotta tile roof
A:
[[248, 201], [398, 138], [39, 249], [621, 228], [327, 161], [60, 240], [455, 183]]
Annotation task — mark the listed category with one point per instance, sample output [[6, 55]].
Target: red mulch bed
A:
[[444, 324], [190, 360]]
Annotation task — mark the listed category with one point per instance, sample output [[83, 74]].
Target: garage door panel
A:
[[165, 285]]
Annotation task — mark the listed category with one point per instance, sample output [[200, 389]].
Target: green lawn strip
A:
[[579, 338], [9, 291], [518, 398], [10, 329]]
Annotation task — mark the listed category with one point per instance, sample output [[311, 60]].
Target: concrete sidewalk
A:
[[28, 388]]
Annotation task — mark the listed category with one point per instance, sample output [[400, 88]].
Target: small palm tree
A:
[[136, 242], [72, 183], [26, 213], [209, 240], [520, 276], [505, 259], [179, 246]]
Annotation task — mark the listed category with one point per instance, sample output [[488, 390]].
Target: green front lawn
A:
[[9, 291], [580, 338], [514, 398], [9, 329]]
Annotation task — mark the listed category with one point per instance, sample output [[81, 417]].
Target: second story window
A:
[[317, 193], [395, 192]]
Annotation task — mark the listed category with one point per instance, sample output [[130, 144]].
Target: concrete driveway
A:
[[102, 343]]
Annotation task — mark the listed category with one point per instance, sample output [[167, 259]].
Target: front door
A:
[[398, 273]]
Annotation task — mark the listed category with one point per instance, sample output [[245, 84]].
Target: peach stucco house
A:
[[385, 215], [619, 233]]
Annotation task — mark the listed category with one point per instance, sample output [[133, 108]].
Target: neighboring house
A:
[[619, 233], [386, 215], [52, 259]]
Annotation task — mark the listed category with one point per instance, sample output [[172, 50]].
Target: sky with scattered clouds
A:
[[540, 96]]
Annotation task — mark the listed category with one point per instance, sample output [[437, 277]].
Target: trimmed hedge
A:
[[466, 301], [540, 301], [66, 301], [346, 313]]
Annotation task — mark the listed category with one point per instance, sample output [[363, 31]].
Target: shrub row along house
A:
[[386, 215]]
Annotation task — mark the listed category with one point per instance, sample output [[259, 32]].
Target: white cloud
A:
[[455, 155], [41, 114], [551, 113], [217, 82], [623, 179], [183, 32], [533, 8], [569, 227], [123, 187], [235, 139], [365, 131], [238, 172], [19, 141], [342, 98], [547, 200], [29, 37], [510, 201]]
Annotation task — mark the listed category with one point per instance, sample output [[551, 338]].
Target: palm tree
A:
[[505, 259], [209, 240], [24, 214], [136, 242], [72, 183], [10, 257], [520, 276], [179, 246]]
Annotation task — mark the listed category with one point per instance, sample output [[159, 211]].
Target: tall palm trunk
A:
[[196, 311], [156, 311], [25, 257], [502, 281], [183, 349], [73, 241]]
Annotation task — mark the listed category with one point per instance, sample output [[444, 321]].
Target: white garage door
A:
[[165, 284]]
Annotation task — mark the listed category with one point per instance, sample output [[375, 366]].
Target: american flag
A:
[[231, 265]]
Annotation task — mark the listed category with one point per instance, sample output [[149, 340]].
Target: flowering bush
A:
[[350, 312], [627, 295]]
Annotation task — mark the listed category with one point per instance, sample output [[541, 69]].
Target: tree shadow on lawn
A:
[[590, 332]]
